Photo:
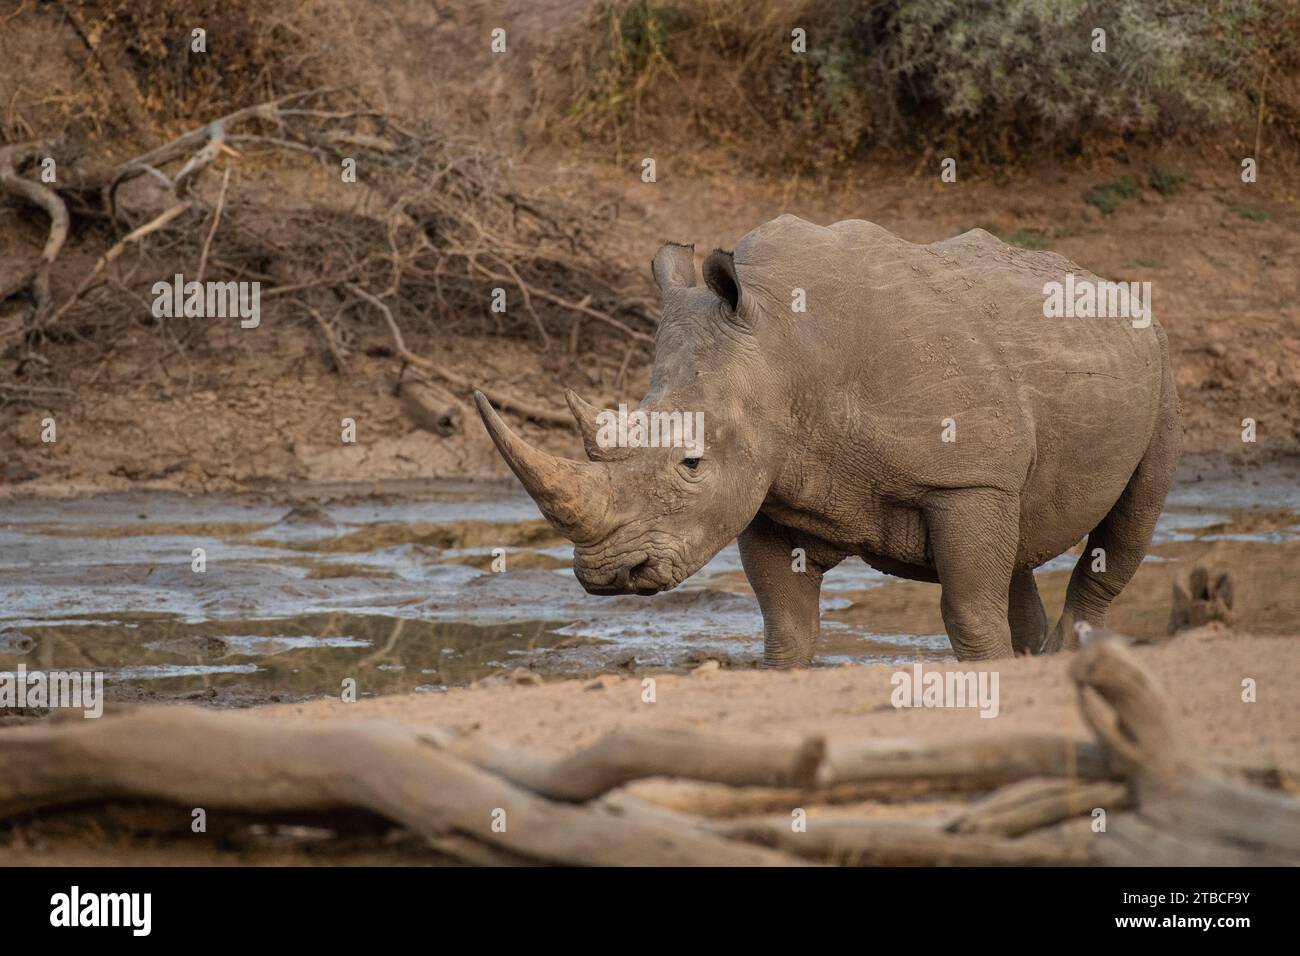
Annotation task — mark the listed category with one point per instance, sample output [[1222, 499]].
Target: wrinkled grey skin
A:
[[824, 432]]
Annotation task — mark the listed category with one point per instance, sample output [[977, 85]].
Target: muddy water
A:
[[397, 592]]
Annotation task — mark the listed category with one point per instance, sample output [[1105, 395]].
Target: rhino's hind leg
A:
[[1122, 537], [974, 534], [1025, 614], [788, 589], [1125, 533]]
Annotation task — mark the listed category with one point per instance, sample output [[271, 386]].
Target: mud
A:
[[437, 585]]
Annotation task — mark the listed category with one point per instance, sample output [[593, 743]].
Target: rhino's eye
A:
[[691, 463]]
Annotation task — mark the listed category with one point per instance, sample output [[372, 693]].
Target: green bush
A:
[[1165, 181], [971, 77], [1106, 196]]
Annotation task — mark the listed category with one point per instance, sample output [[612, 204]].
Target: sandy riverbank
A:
[[1201, 673]]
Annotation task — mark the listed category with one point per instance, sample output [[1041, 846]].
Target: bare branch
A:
[[12, 159]]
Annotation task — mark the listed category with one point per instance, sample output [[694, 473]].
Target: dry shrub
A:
[[999, 81], [439, 229], [432, 232], [431, 229], [255, 50]]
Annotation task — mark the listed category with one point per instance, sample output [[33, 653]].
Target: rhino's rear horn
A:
[[584, 413]]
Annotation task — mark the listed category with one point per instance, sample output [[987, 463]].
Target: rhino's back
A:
[[950, 326], [915, 338]]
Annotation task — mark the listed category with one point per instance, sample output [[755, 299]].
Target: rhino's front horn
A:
[[574, 496]]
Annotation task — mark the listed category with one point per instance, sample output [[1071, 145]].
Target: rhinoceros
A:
[[864, 395]]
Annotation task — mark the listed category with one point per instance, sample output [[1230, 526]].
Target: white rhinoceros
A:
[[922, 411]]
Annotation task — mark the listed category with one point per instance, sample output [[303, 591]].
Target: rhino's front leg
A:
[[974, 535], [788, 588]]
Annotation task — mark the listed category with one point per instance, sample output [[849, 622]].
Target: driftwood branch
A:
[[195, 758], [634, 755], [975, 764], [1200, 811], [1163, 804], [1038, 802], [869, 842]]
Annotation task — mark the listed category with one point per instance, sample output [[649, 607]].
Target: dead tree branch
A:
[[419, 361], [12, 159], [432, 223], [635, 755], [1200, 813], [190, 757], [1166, 806]]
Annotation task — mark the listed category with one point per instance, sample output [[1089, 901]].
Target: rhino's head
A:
[[643, 519]]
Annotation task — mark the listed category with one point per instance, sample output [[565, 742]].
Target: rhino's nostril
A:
[[637, 571]]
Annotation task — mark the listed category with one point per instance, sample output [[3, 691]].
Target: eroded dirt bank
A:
[[264, 406]]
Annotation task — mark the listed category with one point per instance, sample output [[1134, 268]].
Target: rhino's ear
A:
[[720, 276], [673, 266]]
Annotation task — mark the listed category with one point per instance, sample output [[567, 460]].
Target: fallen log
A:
[[1188, 811], [637, 754], [1038, 802], [190, 758], [483, 802], [866, 842], [977, 763]]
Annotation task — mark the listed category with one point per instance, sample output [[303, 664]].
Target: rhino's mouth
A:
[[637, 572]]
